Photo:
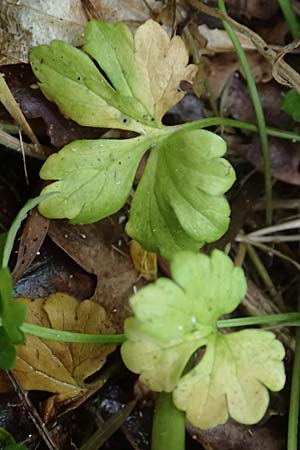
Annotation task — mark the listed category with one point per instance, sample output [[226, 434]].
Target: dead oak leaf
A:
[[95, 248], [59, 367]]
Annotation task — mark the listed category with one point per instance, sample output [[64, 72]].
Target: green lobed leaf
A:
[[147, 68], [95, 178], [70, 78], [160, 362], [179, 202], [112, 46], [174, 318], [232, 379], [291, 104]]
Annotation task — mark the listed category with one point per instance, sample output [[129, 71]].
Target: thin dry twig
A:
[[280, 55], [9, 141], [32, 412], [267, 249], [291, 225]]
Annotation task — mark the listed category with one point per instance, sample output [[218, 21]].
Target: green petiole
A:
[[69, 336], [286, 319], [223, 121], [168, 429]]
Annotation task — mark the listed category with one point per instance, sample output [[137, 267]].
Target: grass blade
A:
[[261, 123]]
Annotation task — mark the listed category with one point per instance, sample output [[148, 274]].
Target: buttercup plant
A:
[[172, 319], [179, 202], [178, 206]]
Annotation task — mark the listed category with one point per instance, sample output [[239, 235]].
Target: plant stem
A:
[[285, 319], [261, 123], [292, 442], [168, 431], [281, 319], [69, 336], [224, 121], [290, 17]]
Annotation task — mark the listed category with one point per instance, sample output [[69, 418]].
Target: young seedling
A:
[[172, 319], [179, 201]]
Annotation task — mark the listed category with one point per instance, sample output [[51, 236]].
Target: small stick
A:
[[32, 412]]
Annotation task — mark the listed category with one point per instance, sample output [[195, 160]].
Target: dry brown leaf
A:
[[162, 64], [144, 262], [33, 235], [284, 158], [219, 41], [217, 70], [58, 367], [236, 102], [53, 271], [234, 436], [26, 23], [126, 10], [96, 248]]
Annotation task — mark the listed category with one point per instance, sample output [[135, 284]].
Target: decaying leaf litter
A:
[[93, 261]]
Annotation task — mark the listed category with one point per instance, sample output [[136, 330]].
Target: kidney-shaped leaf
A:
[[232, 379], [174, 318], [159, 361], [179, 202]]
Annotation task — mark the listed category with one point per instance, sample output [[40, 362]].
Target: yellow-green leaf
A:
[[232, 379]]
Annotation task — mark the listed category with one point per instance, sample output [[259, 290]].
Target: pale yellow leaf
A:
[[162, 64], [144, 262]]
